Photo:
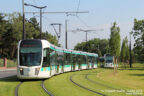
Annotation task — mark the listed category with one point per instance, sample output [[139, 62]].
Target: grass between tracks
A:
[[32, 88]]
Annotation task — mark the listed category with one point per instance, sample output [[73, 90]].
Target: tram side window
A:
[[96, 60], [67, 58], [89, 59], [60, 58], [79, 60], [52, 57], [74, 59], [83, 59], [46, 58]]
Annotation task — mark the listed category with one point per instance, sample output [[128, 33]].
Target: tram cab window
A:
[[49, 57]]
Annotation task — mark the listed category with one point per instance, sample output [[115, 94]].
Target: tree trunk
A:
[[116, 63]]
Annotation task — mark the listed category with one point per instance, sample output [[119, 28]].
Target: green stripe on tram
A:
[[67, 66], [77, 65], [84, 64], [45, 69], [67, 52], [56, 49], [75, 53], [52, 48]]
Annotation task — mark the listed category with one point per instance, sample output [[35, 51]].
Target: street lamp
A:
[[40, 14]]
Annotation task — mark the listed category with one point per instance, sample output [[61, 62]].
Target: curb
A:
[[8, 69]]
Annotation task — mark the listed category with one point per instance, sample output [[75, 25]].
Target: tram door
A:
[[79, 62], [60, 62], [88, 62], [74, 62]]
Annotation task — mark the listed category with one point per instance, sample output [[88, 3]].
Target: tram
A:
[[39, 59], [108, 60]]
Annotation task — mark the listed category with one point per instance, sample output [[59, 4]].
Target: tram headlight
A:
[[21, 71], [37, 71]]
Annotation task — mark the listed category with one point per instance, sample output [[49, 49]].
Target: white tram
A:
[[40, 59], [109, 60]]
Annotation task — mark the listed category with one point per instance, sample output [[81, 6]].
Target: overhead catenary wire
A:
[[78, 6]]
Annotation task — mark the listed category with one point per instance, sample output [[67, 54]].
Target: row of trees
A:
[[11, 33], [138, 34], [100, 46], [112, 45]]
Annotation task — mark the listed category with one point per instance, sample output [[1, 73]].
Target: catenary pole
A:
[[23, 33]]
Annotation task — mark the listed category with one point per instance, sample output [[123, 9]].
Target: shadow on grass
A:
[[136, 74], [9, 79], [134, 68], [15, 79]]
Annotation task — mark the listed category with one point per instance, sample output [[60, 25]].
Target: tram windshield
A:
[[109, 59], [30, 53]]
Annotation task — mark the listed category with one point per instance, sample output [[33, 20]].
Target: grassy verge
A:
[[61, 86], [8, 85], [99, 85], [10, 63], [125, 82], [1, 63], [131, 78]]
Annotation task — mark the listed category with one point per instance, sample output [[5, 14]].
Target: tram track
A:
[[86, 77], [43, 87], [17, 88], [98, 93]]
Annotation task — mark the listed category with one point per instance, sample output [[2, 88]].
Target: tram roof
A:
[[59, 49]]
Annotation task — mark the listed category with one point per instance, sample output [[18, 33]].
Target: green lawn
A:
[[8, 85], [61, 86], [126, 82]]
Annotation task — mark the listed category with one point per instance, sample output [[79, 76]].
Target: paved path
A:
[[7, 72]]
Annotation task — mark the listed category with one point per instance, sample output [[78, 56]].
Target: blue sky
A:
[[102, 13]]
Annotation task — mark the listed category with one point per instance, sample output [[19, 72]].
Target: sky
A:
[[102, 14]]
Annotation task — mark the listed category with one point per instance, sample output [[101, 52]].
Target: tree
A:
[[125, 51], [138, 33], [4, 26], [114, 42], [11, 33], [52, 39], [96, 45]]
